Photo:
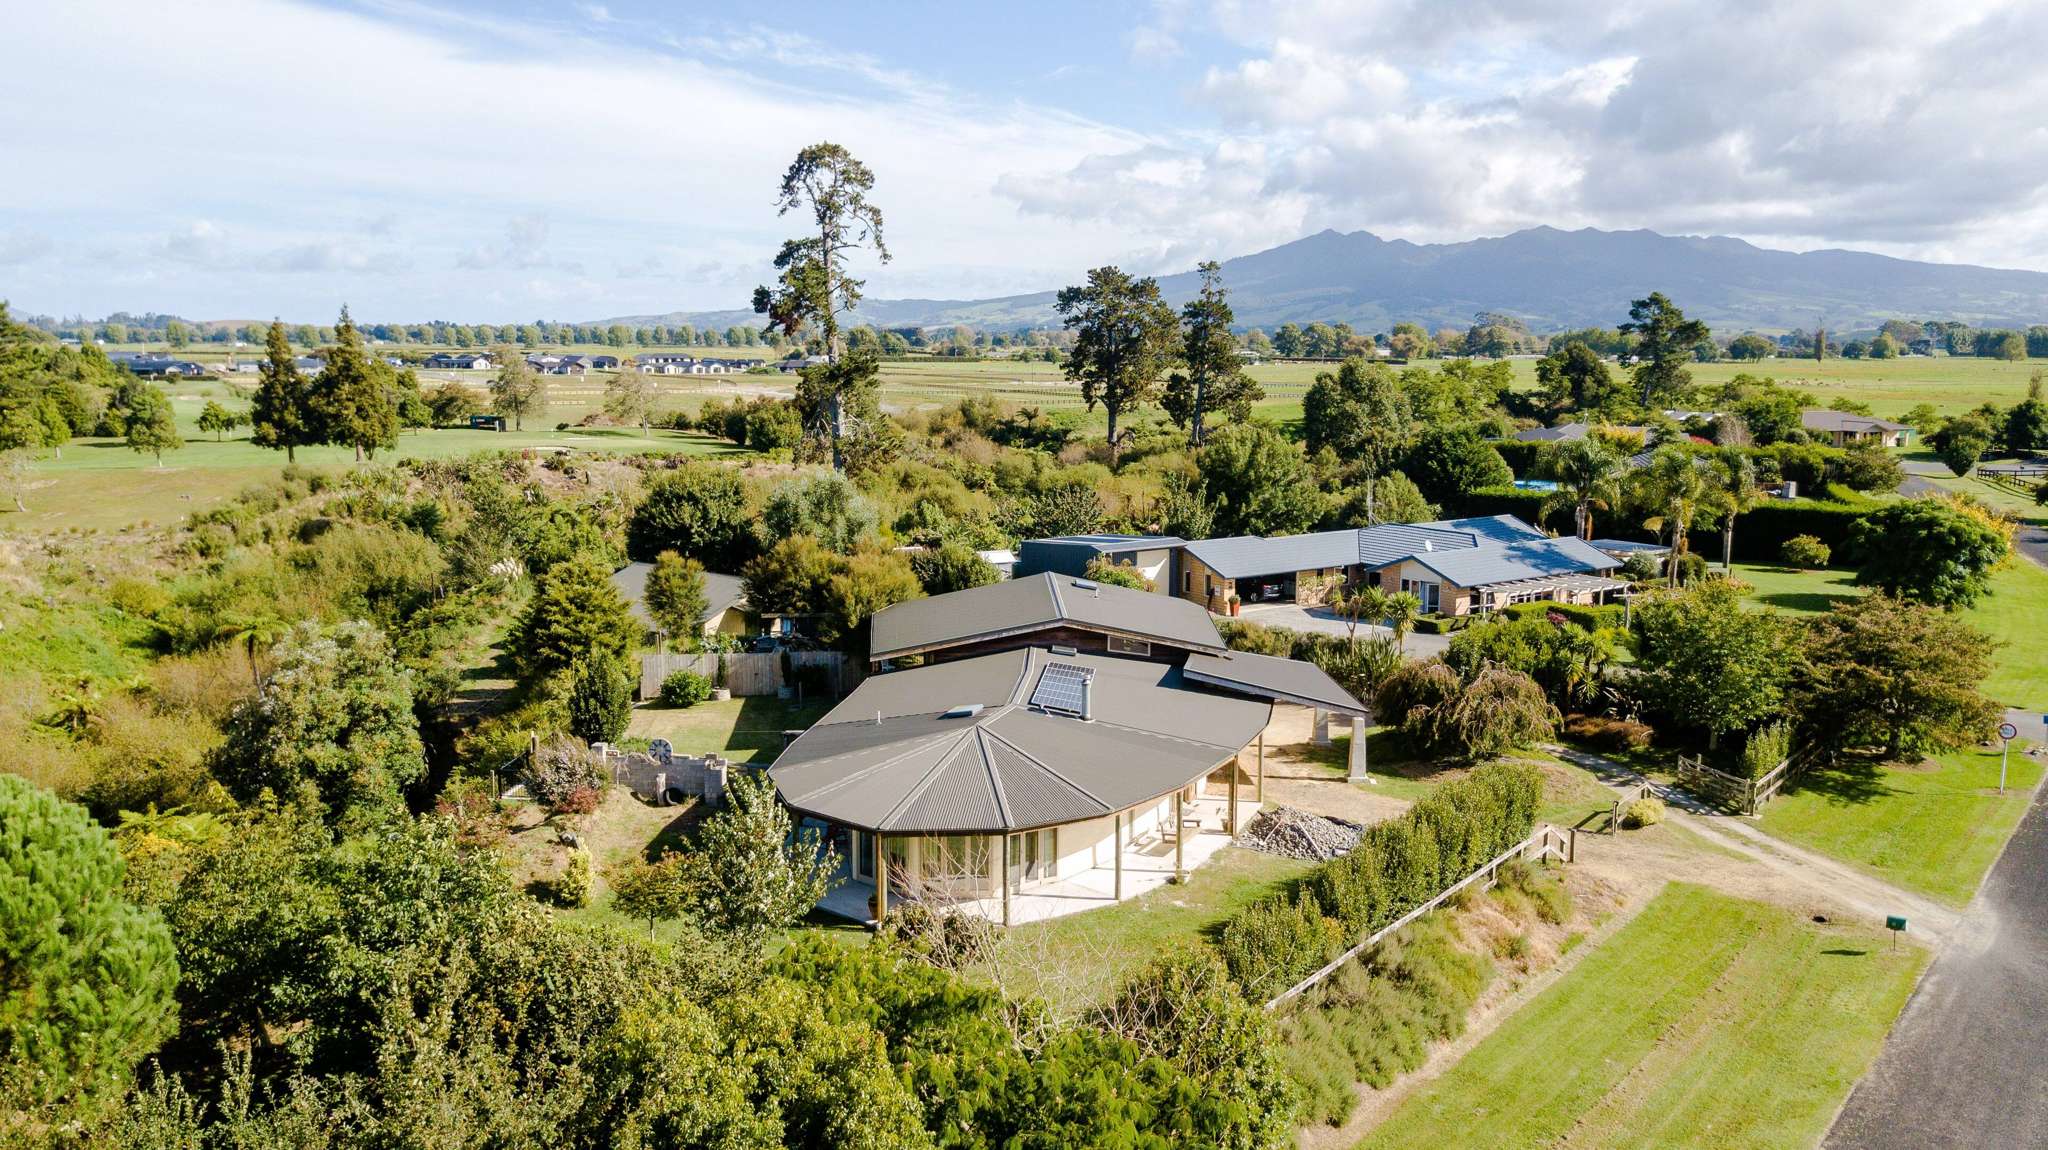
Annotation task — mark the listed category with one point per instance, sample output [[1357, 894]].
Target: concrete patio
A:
[[1145, 868]]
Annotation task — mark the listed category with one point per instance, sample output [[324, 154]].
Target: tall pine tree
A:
[[1213, 381], [356, 396], [282, 415]]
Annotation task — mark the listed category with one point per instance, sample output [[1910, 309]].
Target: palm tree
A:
[[254, 629], [1588, 474], [1367, 603], [1673, 485], [1403, 608], [1733, 493]]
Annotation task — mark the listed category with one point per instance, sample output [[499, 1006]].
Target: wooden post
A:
[[1233, 796], [1006, 879], [881, 877], [1180, 838], [1117, 838], [1262, 768]]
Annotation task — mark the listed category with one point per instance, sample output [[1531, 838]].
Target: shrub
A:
[[1640, 568], [571, 888], [684, 689], [1643, 813], [952, 940], [1499, 711], [1606, 733], [1805, 551], [1544, 889], [1272, 944], [561, 770], [1768, 746]]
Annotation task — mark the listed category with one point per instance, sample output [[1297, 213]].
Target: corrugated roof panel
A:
[[1289, 680], [957, 796], [1246, 556], [1034, 603]]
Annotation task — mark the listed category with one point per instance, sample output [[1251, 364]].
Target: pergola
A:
[[1547, 587]]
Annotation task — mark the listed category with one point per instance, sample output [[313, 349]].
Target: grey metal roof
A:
[[1245, 556], [1562, 433], [1627, 547], [1269, 677], [1248, 556], [720, 591], [1113, 544], [888, 758], [1033, 603], [1829, 420], [1480, 566], [1491, 528]]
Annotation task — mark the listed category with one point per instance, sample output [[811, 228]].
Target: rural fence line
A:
[[1546, 842], [1735, 792]]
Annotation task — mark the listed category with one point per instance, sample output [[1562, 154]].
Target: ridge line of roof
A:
[[995, 777], [1052, 587], [1162, 735], [1049, 769], [925, 781], [915, 744]]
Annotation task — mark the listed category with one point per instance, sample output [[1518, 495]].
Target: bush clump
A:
[[1805, 551], [684, 689], [1643, 813], [1606, 733], [564, 776], [1272, 944], [949, 939], [571, 888], [1768, 746]]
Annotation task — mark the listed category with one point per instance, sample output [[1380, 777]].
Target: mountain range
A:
[[1553, 280]]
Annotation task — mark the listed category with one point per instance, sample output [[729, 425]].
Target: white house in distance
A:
[[1063, 745], [1842, 428]]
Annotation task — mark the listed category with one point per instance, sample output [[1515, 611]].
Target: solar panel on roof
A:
[[1062, 687]]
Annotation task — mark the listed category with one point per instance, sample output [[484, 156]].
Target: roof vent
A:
[[961, 711], [1087, 584], [1429, 544], [1060, 649]]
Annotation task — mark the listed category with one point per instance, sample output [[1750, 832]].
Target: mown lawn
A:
[[2015, 613], [1077, 960], [742, 730], [1708, 1021], [1935, 828]]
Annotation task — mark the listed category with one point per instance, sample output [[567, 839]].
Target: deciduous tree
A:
[[1908, 677], [1710, 664], [1927, 551], [517, 390]]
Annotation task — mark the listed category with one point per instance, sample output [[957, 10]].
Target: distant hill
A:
[[1552, 279]]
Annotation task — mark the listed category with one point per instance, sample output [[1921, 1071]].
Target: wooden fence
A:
[[749, 675], [1547, 842], [1621, 802], [1735, 792]]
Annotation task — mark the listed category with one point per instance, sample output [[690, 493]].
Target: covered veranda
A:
[[1568, 588]]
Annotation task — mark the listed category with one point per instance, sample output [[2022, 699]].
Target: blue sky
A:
[[531, 158]]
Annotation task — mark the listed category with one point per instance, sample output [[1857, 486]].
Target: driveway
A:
[[1323, 621], [1962, 1067]]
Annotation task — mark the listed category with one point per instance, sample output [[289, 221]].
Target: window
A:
[[1208, 584], [1187, 582], [1118, 645], [948, 859]]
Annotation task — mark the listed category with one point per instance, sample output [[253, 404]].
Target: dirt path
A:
[[1827, 881]]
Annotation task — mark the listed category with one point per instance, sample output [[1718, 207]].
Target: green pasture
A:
[[1707, 1021]]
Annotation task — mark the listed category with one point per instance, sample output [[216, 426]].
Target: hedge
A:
[[1396, 866], [1586, 616], [1760, 534]]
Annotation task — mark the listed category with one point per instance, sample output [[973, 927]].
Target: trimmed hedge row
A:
[[1397, 866], [1587, 617]]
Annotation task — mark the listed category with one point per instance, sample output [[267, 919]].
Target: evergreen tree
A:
[[1124, 337], [600, 697], [1363, 414], [86, 977], [1665, 341], [676, 597], [354, 395], [574, 614], [1214, 382]]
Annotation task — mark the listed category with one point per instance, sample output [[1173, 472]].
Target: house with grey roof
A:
[[1017, 774], [1150, 556], [1394, 556], [1842, 428]]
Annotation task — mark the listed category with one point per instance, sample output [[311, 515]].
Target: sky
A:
[[527, 159]]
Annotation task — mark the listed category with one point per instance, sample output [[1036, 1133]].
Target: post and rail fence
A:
[[1745, 796], [1547, 842]]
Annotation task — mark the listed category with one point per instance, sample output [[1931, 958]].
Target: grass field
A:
[[100, 484], [2015, 612], [1706, 1022], [1934, 828]]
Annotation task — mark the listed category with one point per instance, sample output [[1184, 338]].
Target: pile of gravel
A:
[[1298, 834]]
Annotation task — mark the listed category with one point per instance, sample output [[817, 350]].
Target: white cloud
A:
[[21, 246]]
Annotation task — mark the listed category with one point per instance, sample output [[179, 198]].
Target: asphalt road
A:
[[1967, 1063], [2032, 538]]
